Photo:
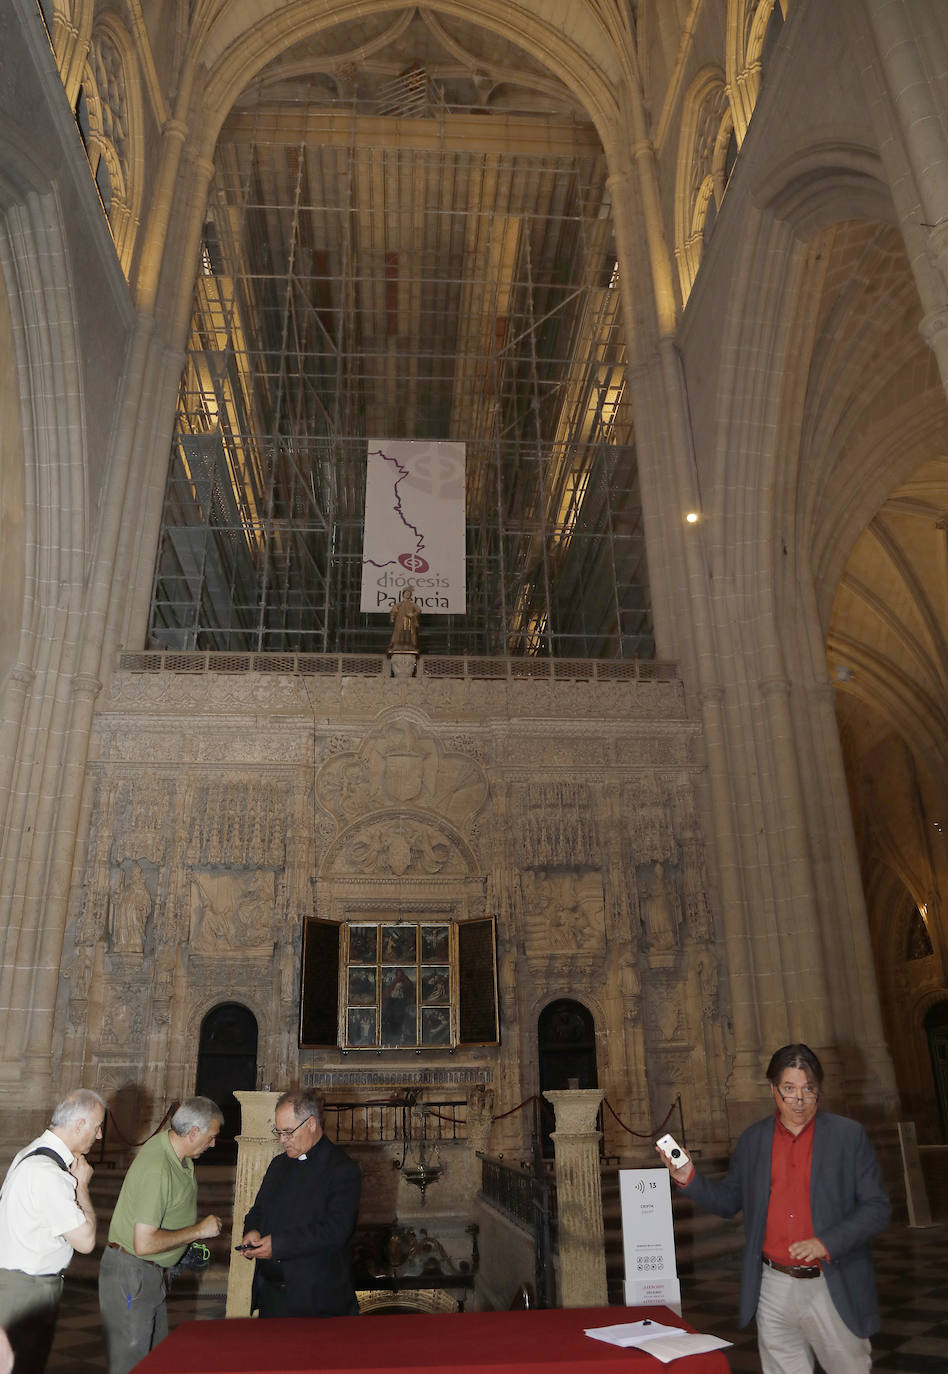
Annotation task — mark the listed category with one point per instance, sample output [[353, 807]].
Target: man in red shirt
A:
[[809, 1185]]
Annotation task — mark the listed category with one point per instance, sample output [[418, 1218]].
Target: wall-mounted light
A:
[[692, 517]]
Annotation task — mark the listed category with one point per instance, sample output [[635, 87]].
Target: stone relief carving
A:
[[401, 765], [472, 746], [232, 911], [708, 980], [666, 1019], [123, 1022], [556, 824], [563, 909], [698, 915], [239, 823], [569, 853], [561, 750], [651, 832], [400, 845]]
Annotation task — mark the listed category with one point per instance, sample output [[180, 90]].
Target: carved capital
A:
[[934, 325], [85, 685]]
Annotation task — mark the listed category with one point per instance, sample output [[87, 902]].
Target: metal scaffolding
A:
[[447, 274]]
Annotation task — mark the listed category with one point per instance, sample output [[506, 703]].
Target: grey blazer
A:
[[847, 1200]]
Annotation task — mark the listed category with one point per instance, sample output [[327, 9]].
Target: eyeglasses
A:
[[799, 1094], [285, 1135]]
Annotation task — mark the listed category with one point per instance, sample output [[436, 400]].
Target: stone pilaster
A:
[[579, 1197], [256, 1146]]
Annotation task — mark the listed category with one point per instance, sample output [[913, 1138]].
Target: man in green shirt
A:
[[154, 1221]]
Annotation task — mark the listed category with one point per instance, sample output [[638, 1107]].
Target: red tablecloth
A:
[[442, 1343]]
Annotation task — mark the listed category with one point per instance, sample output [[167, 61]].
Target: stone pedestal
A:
[[579, 1197], [256, 1146], [403, 664]]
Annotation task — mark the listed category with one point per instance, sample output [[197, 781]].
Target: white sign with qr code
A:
[[648, 1239]]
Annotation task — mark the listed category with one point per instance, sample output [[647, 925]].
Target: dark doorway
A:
[[227, 1063], [566, 1041], [936, 1027]]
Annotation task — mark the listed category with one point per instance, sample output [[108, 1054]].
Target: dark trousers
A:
[[132, 1302], [271, 1297]]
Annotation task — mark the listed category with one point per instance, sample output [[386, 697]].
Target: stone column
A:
[[579, 1197], [480, 1120], [256, 1146]]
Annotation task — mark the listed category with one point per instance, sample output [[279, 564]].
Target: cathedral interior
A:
[[672, 791]]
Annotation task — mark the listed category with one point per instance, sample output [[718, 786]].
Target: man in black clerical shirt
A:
[[299, 1229]]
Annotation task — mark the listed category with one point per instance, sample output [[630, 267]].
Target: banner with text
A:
[[648, 1239], [414, 525]]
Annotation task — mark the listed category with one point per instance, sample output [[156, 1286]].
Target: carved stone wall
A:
[[224, 810]]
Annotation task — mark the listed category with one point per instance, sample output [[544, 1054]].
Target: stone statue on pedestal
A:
[[404, 616]]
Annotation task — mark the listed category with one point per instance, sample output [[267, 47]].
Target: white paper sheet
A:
[[666, 1343]]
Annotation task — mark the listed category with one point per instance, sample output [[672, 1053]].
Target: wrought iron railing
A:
[[408, 1119], [526, 1195]]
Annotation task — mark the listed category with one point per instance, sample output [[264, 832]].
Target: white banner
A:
[[648, 1239], [414, 526]]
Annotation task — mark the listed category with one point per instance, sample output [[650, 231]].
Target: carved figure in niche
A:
[[699, 917], [630, 984], [404, 617], [211, 917], [130, 909], [658, 911], [708, 979], [564, 908], [480, 1107], [255, 911]]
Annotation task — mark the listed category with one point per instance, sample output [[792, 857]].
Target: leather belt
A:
[[114, 1245], [796, 1271]]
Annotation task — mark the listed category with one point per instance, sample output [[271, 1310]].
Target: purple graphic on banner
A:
[[406, 559], [414, 531]]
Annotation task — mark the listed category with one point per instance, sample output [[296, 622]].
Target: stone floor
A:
[[911, 1267], [912, 1278]]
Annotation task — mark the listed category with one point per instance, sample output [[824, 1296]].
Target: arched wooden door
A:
[[227, 1063], [566, 1045]]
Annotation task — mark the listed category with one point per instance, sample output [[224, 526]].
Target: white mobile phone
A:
[[669, 1146]]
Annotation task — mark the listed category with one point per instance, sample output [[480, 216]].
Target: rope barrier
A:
[[135, 1144], [641, 1135], [524, 1103]]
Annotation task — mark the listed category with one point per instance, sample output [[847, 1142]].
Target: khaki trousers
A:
[[797, 1319], [29, 1304]]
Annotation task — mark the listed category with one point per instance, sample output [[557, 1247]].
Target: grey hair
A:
[[195, 1111], [304, 1102], [76, 1106]]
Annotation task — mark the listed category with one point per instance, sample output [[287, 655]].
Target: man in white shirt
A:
[[45, 1214]]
